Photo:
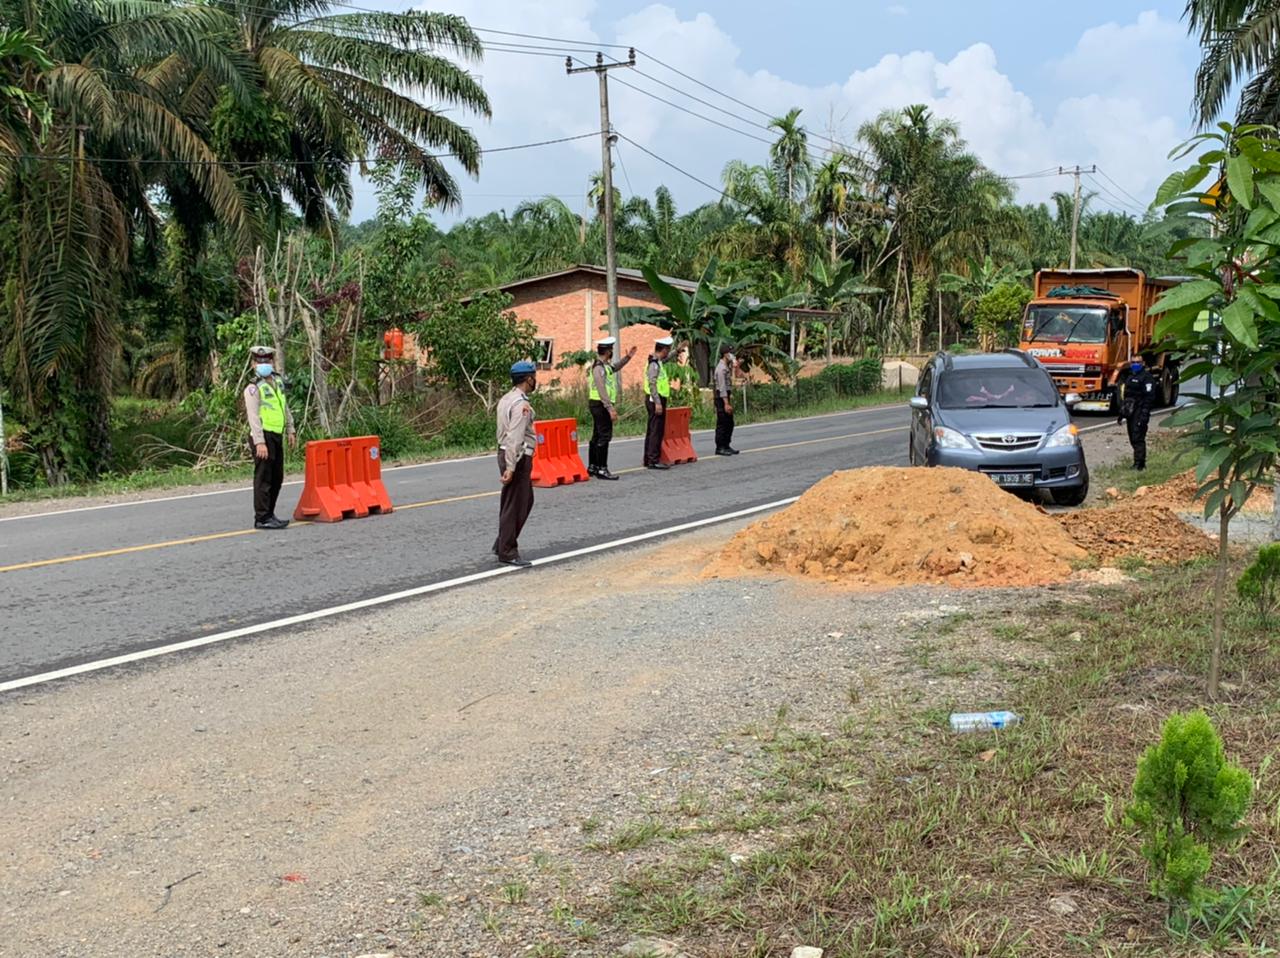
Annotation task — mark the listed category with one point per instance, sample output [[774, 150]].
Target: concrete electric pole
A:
[[602, 69], [1075, 206]]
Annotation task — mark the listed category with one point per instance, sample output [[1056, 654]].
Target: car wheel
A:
[[1074, 496], [911, 453]]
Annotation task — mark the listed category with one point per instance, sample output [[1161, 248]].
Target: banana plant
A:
[[711, 315]]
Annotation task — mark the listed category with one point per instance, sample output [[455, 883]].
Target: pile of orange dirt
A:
[[1140, 529], [1180, 493], [885, 526]]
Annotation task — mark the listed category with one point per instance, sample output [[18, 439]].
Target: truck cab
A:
[[1084, 326]]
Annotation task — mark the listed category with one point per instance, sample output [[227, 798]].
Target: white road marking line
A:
[[413, 465], [305, 617]]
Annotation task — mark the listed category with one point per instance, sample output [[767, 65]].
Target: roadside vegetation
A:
[[876, 831]]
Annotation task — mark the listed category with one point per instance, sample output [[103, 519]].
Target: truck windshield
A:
[[1066, 324], [1001, 387]]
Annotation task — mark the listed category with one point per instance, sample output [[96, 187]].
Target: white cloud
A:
[[896, 10], [1119, 100]]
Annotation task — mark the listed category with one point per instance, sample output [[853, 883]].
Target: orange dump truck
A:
[[1085, 325]]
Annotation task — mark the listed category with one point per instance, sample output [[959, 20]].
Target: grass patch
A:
[[894, 837], [1169, 453]]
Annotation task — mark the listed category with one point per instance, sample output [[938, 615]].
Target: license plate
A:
[[1013, 478]]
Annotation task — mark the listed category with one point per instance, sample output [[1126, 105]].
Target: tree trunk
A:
[[1275, 515], [1219, 601]]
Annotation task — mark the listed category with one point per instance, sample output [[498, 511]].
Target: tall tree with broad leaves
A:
[[114, 128]]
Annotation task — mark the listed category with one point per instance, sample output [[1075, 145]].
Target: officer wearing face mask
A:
[[1137, 397], [269, 422]]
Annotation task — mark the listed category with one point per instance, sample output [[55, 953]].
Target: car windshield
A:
[[1003, 388], [1069, 324]]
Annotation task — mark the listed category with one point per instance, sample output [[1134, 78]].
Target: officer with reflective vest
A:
[[603, 395], [269, 422], [657, 393]]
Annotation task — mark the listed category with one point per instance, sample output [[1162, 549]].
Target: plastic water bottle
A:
[[983, 721]]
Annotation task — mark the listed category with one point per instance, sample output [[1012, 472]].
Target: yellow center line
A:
[[127, 549], [107, 553]]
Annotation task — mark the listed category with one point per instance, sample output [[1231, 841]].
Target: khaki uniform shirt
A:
[[516, 435], [253, 410], [723, 379]]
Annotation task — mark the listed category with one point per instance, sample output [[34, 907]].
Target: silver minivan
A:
[[999, 414]]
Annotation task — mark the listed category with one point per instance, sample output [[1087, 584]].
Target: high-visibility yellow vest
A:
[[271, 410], [610, 384], [664, 381]]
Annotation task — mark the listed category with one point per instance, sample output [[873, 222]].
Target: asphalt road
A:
[[93, 583]]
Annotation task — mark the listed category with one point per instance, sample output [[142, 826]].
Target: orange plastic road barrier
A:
[[556, 461], [677, 444], [343, 480]]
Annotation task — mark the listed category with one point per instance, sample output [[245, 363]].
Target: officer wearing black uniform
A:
[[1137, 398]]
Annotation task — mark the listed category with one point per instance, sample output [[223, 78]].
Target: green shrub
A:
[[391, 425], [1187, 798], [1261, 582]]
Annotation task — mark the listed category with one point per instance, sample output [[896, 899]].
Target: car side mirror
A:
[[919, 402], [1071, 399]]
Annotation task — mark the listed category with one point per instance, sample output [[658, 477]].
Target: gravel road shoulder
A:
[[315, 793]]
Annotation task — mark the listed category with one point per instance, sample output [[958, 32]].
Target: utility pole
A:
[[1075, 206], [601, 69]]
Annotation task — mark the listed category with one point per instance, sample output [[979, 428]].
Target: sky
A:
[[1032, 85]]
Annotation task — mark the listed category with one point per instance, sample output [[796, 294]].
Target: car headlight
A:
[[1068, 435], [950, 439]]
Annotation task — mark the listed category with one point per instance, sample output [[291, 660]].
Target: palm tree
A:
[[553, 236], [835, 185], [942, 203], [350, 85], [1240, 44], [113, 131], [789, 154]]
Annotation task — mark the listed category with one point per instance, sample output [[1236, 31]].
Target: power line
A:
[[1122, 205], [625, 175], [1139, 202], [682, 172], [67, 158]]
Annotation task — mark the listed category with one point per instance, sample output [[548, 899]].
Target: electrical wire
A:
[[65, 158], [1139, 202], [625, 175], [682, 172]]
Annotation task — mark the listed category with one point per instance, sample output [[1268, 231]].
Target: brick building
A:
[[570, 308]]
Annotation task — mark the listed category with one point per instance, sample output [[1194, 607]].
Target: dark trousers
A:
[[653, 433], [724, 425], [601, 435], [1137, 425], [268, 476], [514, 507]]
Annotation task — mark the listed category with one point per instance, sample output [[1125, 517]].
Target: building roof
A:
[[632, 274]]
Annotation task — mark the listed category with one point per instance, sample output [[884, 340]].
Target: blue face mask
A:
[[264, 369], [1135, 367]]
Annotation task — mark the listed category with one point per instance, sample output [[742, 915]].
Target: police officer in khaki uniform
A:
[[657, 393], [269, 422], [517, 440], [603, 396], [722, 382]]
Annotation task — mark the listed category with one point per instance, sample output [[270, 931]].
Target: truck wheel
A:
[[1168, 387]]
